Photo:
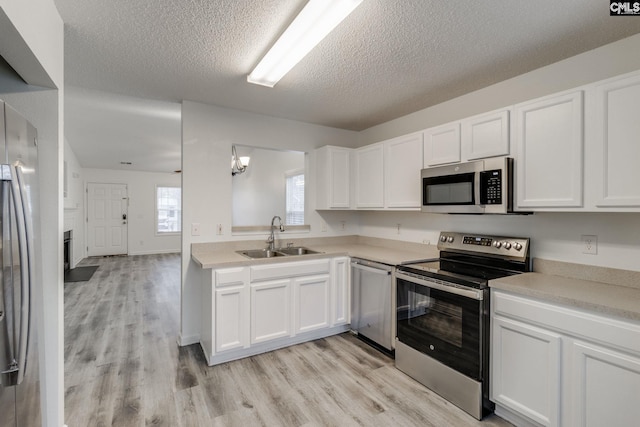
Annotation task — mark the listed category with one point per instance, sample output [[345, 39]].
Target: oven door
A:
[[441, 321]]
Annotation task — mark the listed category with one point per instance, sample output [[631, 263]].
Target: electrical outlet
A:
[[219, 229], [344, 223], [398, 227], [589, 244], [324, 227], [195, 229], [426, 241]]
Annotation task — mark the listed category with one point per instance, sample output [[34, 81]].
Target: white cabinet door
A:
[[616, 143], [341, 291], [549, 147], [442, 145], [231, 318], [606, 387], [311, 303], [486, 135], [369, 164], [333, 179], [525, 370], [270, 310], [403, 162]]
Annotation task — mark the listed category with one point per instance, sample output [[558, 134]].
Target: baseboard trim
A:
[[164, 251], [514, 418], [188, 340]]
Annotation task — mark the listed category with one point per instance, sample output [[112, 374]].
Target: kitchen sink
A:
[[280, 252], [260, 253], [299, 250]]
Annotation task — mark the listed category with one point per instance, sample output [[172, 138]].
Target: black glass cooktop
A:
[[466, 274]]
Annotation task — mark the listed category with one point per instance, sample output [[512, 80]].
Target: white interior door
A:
[[107, 219]]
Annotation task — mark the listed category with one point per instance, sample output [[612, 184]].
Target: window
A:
[[168, 210], [294, 182]]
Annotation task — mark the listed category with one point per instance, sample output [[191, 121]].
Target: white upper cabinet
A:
[[442, 144], [403, 162], [615, 143], [333, 180], [486, 135], [549, 151], [369, 175]]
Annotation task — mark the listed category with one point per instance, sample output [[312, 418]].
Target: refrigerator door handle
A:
[[15, 181], [8, 367]]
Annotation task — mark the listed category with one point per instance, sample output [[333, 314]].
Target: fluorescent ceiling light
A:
[[315, 21]]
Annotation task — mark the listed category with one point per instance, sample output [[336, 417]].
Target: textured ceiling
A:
[[387, 59]]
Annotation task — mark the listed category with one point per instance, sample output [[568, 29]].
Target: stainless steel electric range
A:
[[443, 315]]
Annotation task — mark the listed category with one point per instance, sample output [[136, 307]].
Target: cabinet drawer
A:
[[231, 276], [288, 270], [621, 334]]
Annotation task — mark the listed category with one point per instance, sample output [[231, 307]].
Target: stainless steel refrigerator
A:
[[19, 228]]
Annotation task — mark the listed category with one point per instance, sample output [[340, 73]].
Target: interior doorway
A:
[[107, 219]]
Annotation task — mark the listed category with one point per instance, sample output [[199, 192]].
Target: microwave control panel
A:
[[491, 187]]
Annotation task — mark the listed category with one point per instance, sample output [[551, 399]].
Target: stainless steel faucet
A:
[[272, 240]]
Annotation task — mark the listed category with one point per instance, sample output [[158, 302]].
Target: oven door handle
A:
[[475, 294]]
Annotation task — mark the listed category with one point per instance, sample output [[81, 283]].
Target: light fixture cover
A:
[[238, 164], [317, 19]]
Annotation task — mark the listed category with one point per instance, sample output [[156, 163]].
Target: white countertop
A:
[[604, 298], [220, 255]]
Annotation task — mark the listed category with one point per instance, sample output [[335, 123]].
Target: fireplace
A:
[[68, 249]]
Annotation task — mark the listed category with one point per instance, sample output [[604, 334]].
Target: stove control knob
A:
[[507, 245], [450, 239], [517, 246], [497, 244], [443, 238]]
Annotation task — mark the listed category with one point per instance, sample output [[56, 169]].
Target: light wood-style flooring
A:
[[123, 367]]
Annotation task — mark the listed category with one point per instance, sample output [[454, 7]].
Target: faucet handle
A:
[[290, 244]]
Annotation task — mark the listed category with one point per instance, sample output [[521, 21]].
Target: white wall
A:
[[141, 186], [259, 193], [608, 61], [555, 236], [31, 41], [74, 212], [208, 132]]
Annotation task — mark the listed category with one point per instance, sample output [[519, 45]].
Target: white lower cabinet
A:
[[231, 326], [311, 303], [340, 291], [554, 365], [525, 370], [253, 309], [225, 299], [607, 386], [270, 310]]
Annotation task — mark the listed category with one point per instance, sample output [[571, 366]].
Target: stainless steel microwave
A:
[[482, 186]]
